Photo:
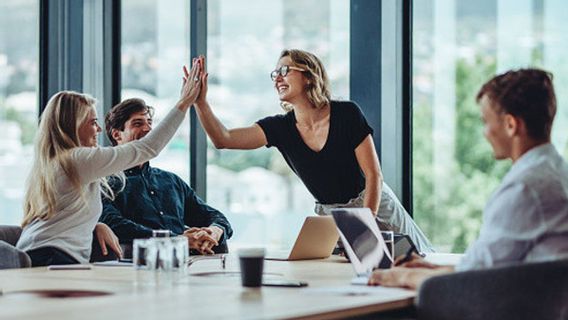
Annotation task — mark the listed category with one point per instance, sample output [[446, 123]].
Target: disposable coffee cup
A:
[[252, 263]]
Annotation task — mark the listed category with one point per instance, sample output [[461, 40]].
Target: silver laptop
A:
[[316, 240], [361, 239]]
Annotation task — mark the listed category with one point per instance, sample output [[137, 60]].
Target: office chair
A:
[[10, 256], [523, 291]]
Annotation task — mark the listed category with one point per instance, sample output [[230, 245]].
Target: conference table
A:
[[205, 290]]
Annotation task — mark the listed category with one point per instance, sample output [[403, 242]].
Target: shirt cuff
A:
[[222, 228]]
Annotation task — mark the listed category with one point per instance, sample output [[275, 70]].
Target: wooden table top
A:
[[149, 295]]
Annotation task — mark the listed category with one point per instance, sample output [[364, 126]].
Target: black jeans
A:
[[46, 256]]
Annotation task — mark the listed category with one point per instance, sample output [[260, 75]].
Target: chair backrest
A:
[[10, 234], [11, 257], [527, 291]]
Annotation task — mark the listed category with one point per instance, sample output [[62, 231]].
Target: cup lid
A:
[[251, 252]]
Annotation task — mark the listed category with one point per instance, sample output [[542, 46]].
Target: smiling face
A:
[[293, 85], [136, 127], [495, 129], [89, 129]]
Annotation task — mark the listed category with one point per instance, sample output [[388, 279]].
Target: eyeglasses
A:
[[283, 71]]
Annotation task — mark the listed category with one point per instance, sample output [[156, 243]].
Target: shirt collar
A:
[[136, 170], [531, 156]]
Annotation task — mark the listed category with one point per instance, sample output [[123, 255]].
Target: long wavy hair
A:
[[57, 135], [317, 88]]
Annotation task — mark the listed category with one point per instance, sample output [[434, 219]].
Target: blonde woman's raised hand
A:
[[191, 85]]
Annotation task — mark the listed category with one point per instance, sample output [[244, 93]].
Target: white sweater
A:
[[71, 228]]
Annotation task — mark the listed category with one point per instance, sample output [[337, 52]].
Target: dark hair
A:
[[527, 94], [120, 113]]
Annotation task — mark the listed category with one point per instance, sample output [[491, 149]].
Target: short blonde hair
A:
[[318, 83]]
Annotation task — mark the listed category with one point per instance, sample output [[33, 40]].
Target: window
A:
[[257, 191], [155, 44], [457, 46], [18, 102]]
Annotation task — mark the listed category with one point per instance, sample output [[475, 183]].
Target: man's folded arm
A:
[[125, 229], [199, 214]]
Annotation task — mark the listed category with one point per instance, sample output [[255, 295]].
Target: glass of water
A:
[[144, 254], [180, 252]]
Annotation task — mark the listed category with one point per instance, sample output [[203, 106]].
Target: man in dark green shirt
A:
[[157, 199]]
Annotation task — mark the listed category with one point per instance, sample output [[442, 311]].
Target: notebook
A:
[[316, 240], [362, 240]]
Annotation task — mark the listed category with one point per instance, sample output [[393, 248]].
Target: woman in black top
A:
[[328, 144]]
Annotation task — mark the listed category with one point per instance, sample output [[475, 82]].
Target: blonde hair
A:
[[57, 135], [317, 89]]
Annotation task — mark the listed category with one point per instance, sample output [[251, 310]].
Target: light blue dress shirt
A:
[[526, 219]]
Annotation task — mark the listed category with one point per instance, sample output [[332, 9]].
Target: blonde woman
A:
[[63, 198], [327, 143]]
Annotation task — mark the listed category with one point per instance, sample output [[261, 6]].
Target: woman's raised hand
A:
[[191, 85], [202, 98]]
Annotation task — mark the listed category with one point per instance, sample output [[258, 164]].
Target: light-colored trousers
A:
[[392, 216]]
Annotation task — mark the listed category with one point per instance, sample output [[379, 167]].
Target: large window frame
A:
[[74, 56]]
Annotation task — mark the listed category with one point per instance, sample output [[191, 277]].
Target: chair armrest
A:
[[10, 234], [12, 257], [527, 291]]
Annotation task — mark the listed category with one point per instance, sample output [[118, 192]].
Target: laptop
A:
[[316, 240], [362, 240]]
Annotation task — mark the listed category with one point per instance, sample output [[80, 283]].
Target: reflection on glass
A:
[[260, 195], [18, 101], [457, 46], [155, 44]]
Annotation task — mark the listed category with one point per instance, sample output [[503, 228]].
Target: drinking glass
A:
[[144, 253], [165, 254], [180, 252]]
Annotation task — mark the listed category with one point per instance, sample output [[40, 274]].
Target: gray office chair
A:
[[528, 291], [10, 234], [10, 256]]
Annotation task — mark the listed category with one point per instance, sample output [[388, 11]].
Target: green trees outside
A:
[[454, 222]]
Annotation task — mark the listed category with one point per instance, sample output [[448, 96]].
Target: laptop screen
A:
[[361, 238]]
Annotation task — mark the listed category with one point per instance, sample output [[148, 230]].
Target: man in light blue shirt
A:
[[526, 219]]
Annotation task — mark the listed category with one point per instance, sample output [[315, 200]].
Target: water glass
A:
[[144, 254], [164, 257], [180, 252]]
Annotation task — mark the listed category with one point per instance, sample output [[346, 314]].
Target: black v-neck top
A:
[[332, 175]]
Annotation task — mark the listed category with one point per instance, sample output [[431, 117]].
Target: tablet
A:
[[284, 283]]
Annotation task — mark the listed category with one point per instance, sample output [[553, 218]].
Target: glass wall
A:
[[457, 46], [265, 202], [155, 44], [18, 101]]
